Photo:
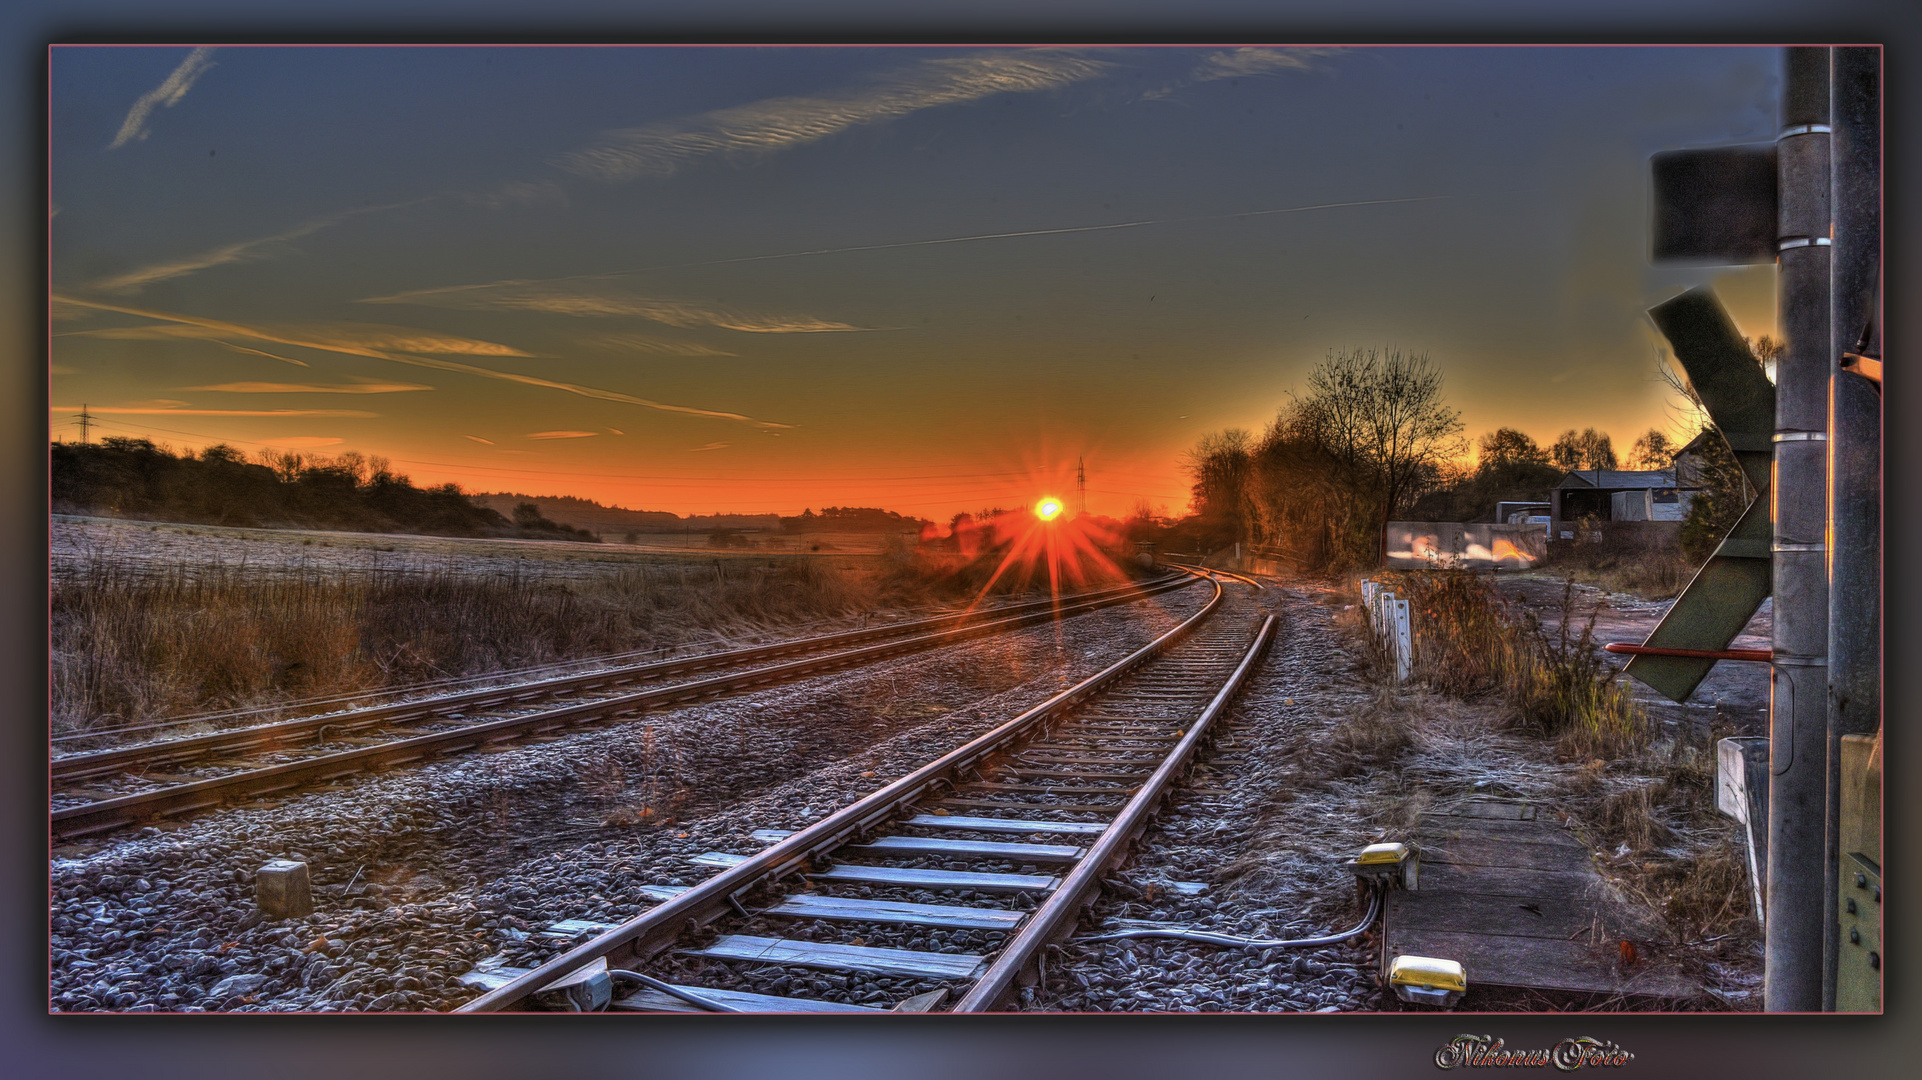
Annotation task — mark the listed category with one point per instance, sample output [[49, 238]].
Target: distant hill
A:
[[134, 478], [584, 513], [615, 520]]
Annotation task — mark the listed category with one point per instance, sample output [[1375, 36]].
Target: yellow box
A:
[[1381, 854], [1428, 980]]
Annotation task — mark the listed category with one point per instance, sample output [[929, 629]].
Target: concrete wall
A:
[[1415, 545]]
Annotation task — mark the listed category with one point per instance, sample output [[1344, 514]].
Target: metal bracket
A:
[[1805, 129], [1794, 242]]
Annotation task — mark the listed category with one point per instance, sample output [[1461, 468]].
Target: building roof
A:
[[1618, 479]]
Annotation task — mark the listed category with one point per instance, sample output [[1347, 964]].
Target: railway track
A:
[[184, 775], [945, 884]]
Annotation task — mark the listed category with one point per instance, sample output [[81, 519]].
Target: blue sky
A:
[[928, 278]]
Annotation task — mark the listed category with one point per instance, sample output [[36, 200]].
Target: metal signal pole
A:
[[1081, 484], [1798, 693], [1855, 455]]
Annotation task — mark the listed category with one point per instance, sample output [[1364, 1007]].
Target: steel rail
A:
[[75, 767], [655, 930], [1211, 570], [614, 664], [1056, 916], [107, 814]]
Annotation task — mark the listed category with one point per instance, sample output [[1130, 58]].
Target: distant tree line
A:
[[219, 486], [1372, 440], [850, 519]]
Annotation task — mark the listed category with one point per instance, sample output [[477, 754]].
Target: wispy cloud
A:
[[340, 337], [171, 332], [765, 127], [709, 446], [478, 439], [1236, 63], [561, 435], [167, 93], [307, 442], [323, 342], [311, 388], [521, 193], [643, 343], [553, 299], [242, 251], [615, 431], [166, 410]]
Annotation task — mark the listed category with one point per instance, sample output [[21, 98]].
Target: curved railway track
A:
[[318, 749], [966, 867]]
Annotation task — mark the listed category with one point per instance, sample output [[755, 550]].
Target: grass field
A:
[[154, 620]]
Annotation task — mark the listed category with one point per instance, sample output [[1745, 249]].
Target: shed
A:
[[1619, 495]]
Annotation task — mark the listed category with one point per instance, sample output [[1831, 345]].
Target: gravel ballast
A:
[[422, 872]]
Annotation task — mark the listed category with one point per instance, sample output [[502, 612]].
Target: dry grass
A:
[[130, 647], [1368, 739], [1559, 729], [1646, 564], [1469, 641]]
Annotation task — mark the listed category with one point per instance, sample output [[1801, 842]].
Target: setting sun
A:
[[1048, 509]]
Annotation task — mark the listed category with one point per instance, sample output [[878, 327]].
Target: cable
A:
[[666, 988], [1212, 938]]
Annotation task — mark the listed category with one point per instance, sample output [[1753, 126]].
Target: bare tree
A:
[[1220, 464], [1381, 413]]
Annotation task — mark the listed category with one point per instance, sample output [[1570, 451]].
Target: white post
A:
[[1404, 643]]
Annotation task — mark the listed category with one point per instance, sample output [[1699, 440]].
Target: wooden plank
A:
[[1508, 881], [846, 874], [852, 909], [1073, 774], [1514, 896], [1509, 916], [1539, 831], [1107, 740], [492, 973], [648, 999], [1026, 807], [1540, 963], [1500, 810], [921, 845], [1484, 851], [1029, 826], [1043, 789], [1118, 757], [864, 958], [568, 928]]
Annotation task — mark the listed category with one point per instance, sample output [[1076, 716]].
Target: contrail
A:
[[960, 240], [1032, 232]]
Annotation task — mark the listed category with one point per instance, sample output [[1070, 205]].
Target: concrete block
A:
[[282, 890]]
